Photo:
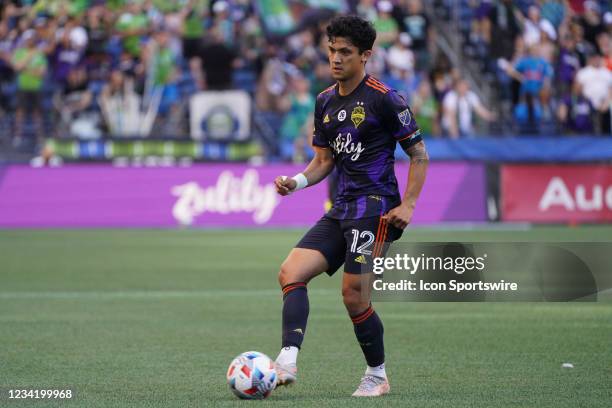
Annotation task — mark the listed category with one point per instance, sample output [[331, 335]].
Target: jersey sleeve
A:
[[318, 138], [399, 120]]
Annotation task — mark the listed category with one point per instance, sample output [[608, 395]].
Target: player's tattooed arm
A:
[[401, 215], [418, 154], [319, 167], [419, 160]]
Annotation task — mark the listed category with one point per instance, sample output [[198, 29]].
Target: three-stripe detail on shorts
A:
[[381, 237]]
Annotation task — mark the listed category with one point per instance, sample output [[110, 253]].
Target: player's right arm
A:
[[319, 167]]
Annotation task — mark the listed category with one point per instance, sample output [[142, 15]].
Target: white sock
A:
[[288, 355], [378, 371]]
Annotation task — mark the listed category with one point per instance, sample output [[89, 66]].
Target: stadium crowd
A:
[[126, 67], [550, 60]]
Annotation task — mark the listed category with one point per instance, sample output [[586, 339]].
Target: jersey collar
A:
[[361, 84]]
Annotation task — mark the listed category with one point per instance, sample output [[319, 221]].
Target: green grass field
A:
[[152, 318]]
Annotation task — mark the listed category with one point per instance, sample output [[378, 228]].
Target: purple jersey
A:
[[362, 130]]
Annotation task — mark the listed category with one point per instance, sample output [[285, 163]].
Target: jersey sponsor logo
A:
[[345, 144], [326, 119], [405, 117], [358, 115], [342, 115]]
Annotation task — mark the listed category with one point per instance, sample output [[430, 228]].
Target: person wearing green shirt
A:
[[425, 109], [160, 62], [131, 25], [299, 119], [193, 17], [30, 64], [386, 27]]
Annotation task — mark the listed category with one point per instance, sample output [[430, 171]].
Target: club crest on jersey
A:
[[404, 117], [358, 115], [326, 120], [342, 115]]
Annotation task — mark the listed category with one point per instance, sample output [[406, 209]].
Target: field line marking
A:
[[142, 294]]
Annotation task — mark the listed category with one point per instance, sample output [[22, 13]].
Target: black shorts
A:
[[351, 242]]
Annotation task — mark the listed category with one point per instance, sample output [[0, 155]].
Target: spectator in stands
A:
[[553, 11], [31, 67], [425, 109], [120, 105], [591, 22], [575, 112], [400, 59], [501, 29], [321, 79], [535, 75], [302, 51], [64, 58], [193, 16], [297, 125], [98, 31], [47, 31], [77, 34], [161, 62], [273, 86], [367, 9], [583, 47], [595, 81], [547, 48], [605, 46], [568, 64], [531, 26], [459, 106], [72, 102], [7, 41], [222, 22], [387, 29], [217, 61], [131, 25], [414, 21]]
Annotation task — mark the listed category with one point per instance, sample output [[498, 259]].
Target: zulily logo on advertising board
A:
[[230, 194]]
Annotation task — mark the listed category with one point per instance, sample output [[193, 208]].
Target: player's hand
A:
[[400, 216], [284, 185]]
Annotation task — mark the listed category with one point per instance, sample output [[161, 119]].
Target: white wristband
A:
[[301, 181]]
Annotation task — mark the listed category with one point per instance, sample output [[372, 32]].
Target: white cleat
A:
[[287, 374], [372, 386]]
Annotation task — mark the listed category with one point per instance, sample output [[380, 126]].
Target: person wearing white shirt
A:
[[596, 82], [458, 107]]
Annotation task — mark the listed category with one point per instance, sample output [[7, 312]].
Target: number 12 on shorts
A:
[[363, 248]]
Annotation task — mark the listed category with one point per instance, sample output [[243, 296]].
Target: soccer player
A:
[[358, 122]]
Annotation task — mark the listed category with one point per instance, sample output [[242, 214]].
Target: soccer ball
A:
[[251, 375]]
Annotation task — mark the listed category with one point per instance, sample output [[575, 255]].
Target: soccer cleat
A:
[[286, 373], [372, 386]]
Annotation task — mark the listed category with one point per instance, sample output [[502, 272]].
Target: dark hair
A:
[[359, 32]]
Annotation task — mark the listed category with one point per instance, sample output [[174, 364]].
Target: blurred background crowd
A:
[[93, 68]]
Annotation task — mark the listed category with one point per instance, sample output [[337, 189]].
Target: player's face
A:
[[345, 60]]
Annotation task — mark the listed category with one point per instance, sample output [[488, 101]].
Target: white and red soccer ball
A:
[[252, 375]]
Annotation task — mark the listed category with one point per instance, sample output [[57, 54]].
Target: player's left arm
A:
[[401, 215], [400, 122]]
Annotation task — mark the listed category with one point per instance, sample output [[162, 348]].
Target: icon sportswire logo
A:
[[230, 194]]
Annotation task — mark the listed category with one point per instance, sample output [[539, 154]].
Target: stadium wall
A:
[[206, 195]]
